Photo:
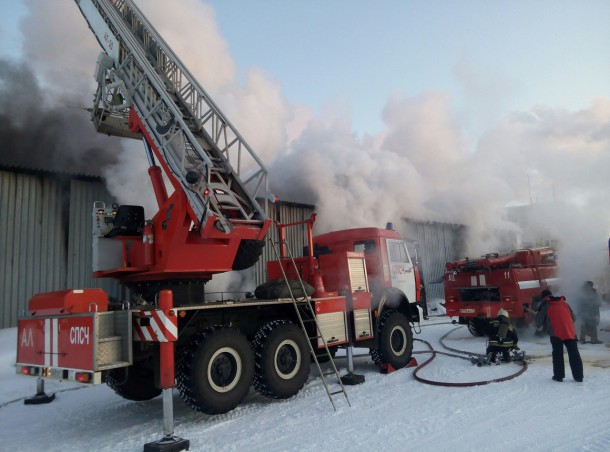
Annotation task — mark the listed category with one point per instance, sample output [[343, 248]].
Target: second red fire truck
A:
[[476, 289]]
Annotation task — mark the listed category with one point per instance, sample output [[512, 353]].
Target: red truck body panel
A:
[[68, 302], [65, 342]]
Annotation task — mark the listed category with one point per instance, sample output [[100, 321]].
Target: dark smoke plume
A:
[[36, 133]]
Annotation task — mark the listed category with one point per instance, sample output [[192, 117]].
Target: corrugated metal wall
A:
[[437, 244], [45, 238], [32, 240], [296, 237]]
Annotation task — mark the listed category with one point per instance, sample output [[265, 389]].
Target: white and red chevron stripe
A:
[[157, 326]]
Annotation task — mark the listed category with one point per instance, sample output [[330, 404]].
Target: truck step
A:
[[109, 339], [114, 365]]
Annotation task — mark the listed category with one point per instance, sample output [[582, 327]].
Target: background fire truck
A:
[[476, 289], [351, 288]]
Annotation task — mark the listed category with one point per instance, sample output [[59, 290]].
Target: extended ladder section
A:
[[306, 314], [199, 148]]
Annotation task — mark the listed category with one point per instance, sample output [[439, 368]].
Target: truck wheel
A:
[[136, 382], [215, 370], [282, 359], [395, 340], [476, 327]]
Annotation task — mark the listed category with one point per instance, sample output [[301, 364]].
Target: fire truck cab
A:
[[393, 278]]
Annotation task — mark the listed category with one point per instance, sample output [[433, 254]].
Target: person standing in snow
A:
[[557, 316], [502, 337], [588, 312]]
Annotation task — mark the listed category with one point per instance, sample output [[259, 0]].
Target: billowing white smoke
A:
[[422, 166], [567, 156]]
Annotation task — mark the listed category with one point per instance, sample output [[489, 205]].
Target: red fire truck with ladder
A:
[[356, 287], [476, 289]]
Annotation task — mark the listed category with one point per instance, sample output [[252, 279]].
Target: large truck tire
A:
[[248, 253], [395, 340], [282, 358], [278, 288], [215, 370], [476, 327], [136, 382]]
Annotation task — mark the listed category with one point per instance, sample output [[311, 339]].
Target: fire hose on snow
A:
[[478, 358]]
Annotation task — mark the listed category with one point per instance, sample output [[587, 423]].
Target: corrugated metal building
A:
[[45, 236], [436, 244]]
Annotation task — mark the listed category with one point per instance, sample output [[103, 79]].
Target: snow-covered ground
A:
[[388, 412]]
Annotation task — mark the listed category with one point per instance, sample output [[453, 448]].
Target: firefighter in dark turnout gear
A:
[[588, 312], [557, 316], [502, 337]]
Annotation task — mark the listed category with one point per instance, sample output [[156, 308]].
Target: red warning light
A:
[[83, 377]]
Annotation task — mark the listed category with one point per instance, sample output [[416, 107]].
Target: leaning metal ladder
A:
[[304, 303]]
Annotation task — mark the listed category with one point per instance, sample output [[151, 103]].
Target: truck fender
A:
[[393, 298]]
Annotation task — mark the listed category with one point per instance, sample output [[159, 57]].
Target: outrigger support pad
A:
[[40, 397], [168, 443], [351, 379]]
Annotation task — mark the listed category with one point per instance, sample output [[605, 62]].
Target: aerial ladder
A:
[[212, 222]]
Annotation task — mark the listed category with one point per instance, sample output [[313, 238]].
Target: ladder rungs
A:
[[303, 308]]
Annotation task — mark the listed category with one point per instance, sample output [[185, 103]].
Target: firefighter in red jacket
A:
[[557, 316]]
